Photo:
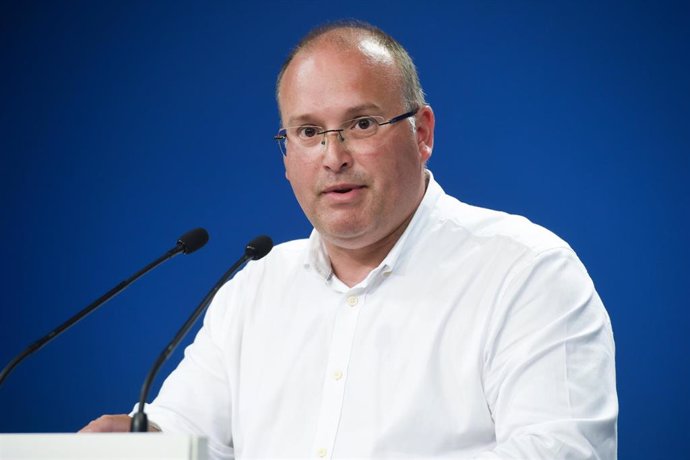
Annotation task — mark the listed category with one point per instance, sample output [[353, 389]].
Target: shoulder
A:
[[285, 255], [483, 226], [258, 278], [283, 258]]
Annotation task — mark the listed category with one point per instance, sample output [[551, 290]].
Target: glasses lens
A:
[[281, 139], [282, 146], [362, 127]]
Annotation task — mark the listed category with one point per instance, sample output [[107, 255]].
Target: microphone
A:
[[187, 244], [255, 250]]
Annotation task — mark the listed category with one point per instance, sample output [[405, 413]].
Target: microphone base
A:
[[140, 423]]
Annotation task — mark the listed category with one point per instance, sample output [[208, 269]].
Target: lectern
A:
[[102, 446]]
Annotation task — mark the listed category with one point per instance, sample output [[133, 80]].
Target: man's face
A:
[[355, 195]]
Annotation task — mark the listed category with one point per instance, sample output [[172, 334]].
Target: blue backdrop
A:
[[125, 124]]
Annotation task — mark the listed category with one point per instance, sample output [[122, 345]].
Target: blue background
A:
[[127, 123]]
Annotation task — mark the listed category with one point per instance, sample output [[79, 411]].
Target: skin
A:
[[108, 423], [324, 85], [113, 423]]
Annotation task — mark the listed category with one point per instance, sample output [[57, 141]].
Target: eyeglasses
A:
[[307, 138]]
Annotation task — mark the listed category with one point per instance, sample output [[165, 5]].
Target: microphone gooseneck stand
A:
[[187, 243], [256, 249]]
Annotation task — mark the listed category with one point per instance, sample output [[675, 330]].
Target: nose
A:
[[328, 131], [336, 155]]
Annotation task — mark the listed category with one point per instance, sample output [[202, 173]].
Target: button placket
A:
[[336, 372]]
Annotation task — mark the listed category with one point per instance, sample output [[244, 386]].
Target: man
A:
[[409, 324]]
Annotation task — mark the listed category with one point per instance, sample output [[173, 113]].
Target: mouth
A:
[[342, 189]]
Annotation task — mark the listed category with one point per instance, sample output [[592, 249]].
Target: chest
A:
[[360, 367]]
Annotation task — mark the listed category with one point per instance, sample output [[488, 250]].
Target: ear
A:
[[425, 131]]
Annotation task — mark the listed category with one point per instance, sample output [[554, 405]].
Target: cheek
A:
[[290, 167], [299, 176], [292, 170]]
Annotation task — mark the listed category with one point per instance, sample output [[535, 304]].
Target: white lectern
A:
[[102, 446]]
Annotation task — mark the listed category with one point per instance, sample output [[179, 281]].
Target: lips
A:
[[342, 188]]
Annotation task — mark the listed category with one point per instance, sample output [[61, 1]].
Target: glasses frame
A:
[[281, 137]]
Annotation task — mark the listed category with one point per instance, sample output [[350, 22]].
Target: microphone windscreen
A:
[[258, 247], [193, 240]]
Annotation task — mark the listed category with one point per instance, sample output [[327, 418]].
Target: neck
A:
[[351, 266]]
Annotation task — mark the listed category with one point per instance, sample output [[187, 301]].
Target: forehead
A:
[[375, 52], [329, 79]]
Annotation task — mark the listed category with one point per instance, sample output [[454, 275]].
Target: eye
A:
[[307, 132], [364, 124]]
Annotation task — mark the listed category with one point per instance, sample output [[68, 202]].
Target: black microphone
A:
[[255, 250], [187, 243]]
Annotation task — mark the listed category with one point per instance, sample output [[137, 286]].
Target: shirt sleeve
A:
[[549, 372]]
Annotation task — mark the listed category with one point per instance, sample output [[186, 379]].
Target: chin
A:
[[350, 240]]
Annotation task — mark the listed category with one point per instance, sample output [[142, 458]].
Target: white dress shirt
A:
[[479, 336]]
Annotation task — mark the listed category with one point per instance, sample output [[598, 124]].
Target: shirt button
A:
[[352, 300], [337, 375], [321, 452]]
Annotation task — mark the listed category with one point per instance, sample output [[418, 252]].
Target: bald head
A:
[[371, 42]]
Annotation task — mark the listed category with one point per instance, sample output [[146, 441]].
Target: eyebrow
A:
[[352, 112]]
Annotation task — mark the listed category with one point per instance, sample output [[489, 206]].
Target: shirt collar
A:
[[317, 257]]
